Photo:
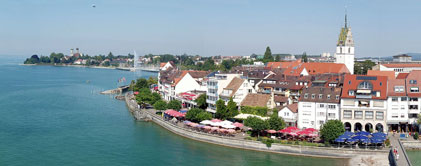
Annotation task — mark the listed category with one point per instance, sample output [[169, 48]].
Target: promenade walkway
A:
[[403, 158]]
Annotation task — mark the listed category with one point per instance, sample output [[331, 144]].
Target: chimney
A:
[[77, 50]]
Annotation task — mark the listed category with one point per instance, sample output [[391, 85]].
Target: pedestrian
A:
[[397, 157]]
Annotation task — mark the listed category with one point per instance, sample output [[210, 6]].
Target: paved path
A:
[[394, 142]]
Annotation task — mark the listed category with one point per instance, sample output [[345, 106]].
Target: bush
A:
[[268, 142], [198, 115], [387, 142], [174, 104], [331, 130], [416, 136], [261, 111]]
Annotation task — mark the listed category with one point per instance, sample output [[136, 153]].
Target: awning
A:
[[363, 91], [364, 102]]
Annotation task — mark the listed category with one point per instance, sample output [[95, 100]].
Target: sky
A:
[[207, 27]]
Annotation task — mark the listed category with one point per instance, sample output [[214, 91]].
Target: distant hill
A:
[[415, 57]]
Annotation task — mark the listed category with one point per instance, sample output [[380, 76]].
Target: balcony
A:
[[279, 92], [210, 101]]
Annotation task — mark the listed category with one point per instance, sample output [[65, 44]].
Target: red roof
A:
[[351, 82], [402, 76], [162, 64], [390, 74], [401, 65], [296, 67], [391, 87], [413, 75]]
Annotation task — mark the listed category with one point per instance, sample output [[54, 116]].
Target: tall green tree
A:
[[268, 55], [232, 108], [160, 105], [201, 101], [198, 115], [304, 57], [256, 124], [276, 123], [221, 109], [277, 58], [331, 130], [174, 104], [152, 81]]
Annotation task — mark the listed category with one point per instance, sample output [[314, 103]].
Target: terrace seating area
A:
[[361, 139]]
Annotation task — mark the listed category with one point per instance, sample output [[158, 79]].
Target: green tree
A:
[[203, 116], [419, 119], [141, 83], [304, 57], [154, 98], [110, 56], [221, 110], [331, 130], [33, 60], [106, 63], [201, 101], [277, 58], [144, 97], [152, 81], [160, 105], [363, 67], [276, 123], [268, 55], [256, 124], [174, 104], [232, 108]]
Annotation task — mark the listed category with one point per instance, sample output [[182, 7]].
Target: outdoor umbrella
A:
[[216, 120], [271, 131], [207, 127], [379, 135], [186, 122], [206, 122], [365, 133], [310, 130], [348, 133], [214, 128], [360, 137], [228, 126], [340, 139], [239, 125], [351, 140], [231, 131]]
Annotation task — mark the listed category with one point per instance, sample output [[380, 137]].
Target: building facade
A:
[[345, 50]]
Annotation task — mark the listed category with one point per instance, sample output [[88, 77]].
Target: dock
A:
[[118, 90]]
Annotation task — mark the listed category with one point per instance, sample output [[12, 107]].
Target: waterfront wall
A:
[[413, 145], [248, 144]]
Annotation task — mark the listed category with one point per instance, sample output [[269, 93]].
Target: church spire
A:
[[346, 21]]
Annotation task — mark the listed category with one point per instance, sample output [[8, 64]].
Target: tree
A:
[[363, 67], [201, 101], [110, 56], [232, 108], [331, 130], [256, 124], [221, 110], [174, 104], [268, 55], [160, 105], [276, 123], [304, 57], [154, 98], [141, 83], [33, 60], [106, 63], [419, 119], [277, 58], [152, 81]]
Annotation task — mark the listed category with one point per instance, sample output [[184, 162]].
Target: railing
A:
[[404, 153]]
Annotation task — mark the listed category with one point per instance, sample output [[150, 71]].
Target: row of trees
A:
[[59, 58], [258, 125], [226, 111]]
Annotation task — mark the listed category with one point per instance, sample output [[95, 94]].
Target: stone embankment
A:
[[356, 156]]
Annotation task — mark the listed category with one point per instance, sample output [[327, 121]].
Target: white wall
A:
[[187, 83], [306, 115]]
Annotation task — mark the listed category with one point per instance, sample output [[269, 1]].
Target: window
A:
[[351, 93], [395, 115], [404, 98], [321, 114], [413, 107], [402, 115], [399, 89], [337, 97], [320, 96], [348, 103], [402, 107], [249, 90], [313, 96], [414, 89], [365, 85], [328, 96], [379, 115], [321, 106], [306, 95], [347, 114], [331, 115], [413, 99], [349, 82], [378, 103], [394, 99], [358, 114], [321, 122], [332, 106], [412, 81], [368, 114]]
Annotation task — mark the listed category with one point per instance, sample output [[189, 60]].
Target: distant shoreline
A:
[[63, 65]]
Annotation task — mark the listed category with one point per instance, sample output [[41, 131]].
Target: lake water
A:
[[56, 116]]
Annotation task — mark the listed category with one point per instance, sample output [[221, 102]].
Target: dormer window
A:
[[313, 96], [306, 95], [412, 81], [351, 93], [337, 97], [365, 85], [328, 96], [349, 82], [320, 96]]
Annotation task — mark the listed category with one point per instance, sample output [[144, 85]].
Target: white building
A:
[[398, 67], [397, 105], [345, 48], [238, 89], [317, 105], [364, 103], [289, 113], [215, 84]]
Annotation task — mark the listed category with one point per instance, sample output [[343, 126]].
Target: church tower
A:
[[345, 48]]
